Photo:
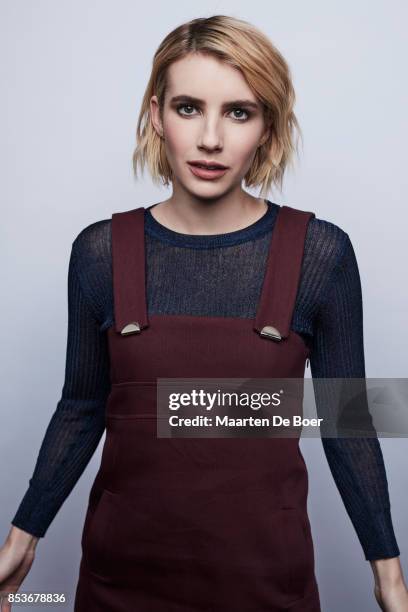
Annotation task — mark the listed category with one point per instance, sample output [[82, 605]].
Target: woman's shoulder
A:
[[93, 242], [91, 251], [326, 241], [95, 239], [328, 249]]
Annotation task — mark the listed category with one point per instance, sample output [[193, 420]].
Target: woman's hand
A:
[[390, 589], [16, 558]]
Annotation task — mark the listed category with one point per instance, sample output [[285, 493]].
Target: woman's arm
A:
[[357, 464], [77, 424]]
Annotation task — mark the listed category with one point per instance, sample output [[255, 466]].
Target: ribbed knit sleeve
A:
[[357, 464], [77, 424]]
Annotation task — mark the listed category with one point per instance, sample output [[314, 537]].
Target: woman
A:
[[187, 288]]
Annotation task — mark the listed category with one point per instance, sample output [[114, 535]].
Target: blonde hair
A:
[[246, 48]]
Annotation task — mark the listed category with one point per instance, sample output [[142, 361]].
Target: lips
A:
[[207, 165], [205, 172]]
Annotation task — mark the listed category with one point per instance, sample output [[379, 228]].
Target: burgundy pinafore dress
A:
[[198, 525]]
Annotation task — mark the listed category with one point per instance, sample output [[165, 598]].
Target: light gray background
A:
[[72, 77]]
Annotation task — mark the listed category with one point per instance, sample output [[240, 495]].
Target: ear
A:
[[155, 115], [265, 136]]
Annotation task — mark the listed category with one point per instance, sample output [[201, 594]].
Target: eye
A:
[[241, 110], [180, 106]]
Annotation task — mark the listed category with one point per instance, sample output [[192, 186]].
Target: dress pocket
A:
[[96, 539], [299, 552]]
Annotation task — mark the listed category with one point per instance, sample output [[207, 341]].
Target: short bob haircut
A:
[[246, 48]]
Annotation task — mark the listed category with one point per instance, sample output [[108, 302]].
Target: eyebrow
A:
[[186, 98]]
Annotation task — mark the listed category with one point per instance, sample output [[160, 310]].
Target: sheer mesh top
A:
[[211, 275]]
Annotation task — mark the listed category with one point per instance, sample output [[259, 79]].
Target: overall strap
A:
[[279, 290], [128, 269]]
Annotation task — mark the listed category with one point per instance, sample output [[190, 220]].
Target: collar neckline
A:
[[254, 230]]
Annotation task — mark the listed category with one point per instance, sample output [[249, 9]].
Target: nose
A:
[[210, 136]]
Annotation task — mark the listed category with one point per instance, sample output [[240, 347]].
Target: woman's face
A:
[[209, 114]]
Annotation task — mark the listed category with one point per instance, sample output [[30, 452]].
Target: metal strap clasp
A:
[[271, 332], [131, 328]]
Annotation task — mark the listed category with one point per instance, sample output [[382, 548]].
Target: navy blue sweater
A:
[[211, 275]]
